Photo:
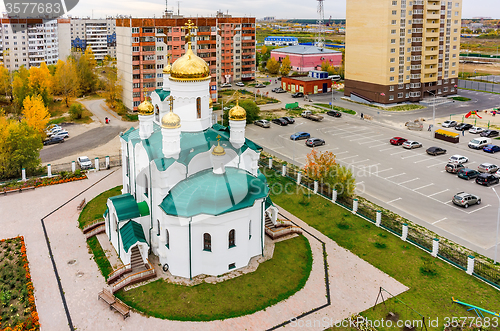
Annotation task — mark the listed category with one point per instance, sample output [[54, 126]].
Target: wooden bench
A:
[[81, 205], [121, 308], [107, 297]]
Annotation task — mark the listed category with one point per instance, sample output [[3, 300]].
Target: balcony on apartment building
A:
[[432, 23], [433, 5]]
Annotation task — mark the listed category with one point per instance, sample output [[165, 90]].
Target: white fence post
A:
[[270, 163], [354, 206], [283, 170], [299, 177], [96, 164], [334, 195], [404, 235], [315, 187], [73, 166], [49, 170], [107, 162], [435, 247], [470, 264], [378, 220], [23, 171]]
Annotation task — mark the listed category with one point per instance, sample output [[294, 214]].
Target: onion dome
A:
[[190, 67], [146, 108], [168, 67], [170, 121], [237, 113], [218, 150]]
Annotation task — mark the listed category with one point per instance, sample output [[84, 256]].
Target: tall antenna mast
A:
[[178, 7], [320, 34]]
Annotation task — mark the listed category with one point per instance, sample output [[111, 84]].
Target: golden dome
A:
[[190, 67], [146, 108], [167, 69], [218, 150], [170, 121], [237, 113]]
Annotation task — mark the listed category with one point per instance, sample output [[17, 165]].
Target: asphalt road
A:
[[409, 182]]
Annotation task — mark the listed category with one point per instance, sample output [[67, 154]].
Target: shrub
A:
[[428, 268], [343, 225], [76, 111], [380, 245]]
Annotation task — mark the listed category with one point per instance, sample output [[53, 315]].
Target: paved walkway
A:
[[354, 283]]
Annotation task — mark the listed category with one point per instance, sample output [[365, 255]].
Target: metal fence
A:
[[114, 161], [389, 221], [479, 85]]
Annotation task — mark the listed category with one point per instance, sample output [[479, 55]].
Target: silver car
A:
[[263, 123], [463, 199], [487, 167]]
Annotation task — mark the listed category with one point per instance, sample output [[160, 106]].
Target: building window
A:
[[167, 239], [207, 242], [400, 95], [391, 69], [232, 266], [393, 22], [146, 188], [393, 50], [158, 226], [231, 239], [249, 229], [391, 97], [391, 79], [393, 41], [198, 107], [391, 88]]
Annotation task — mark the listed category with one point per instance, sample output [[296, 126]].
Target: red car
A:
[[397, 141]]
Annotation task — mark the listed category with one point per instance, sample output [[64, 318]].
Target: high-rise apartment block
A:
[[30, 42], [400, 50], [98, 34], [226, 43]]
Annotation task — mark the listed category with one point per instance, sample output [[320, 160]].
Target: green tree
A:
[[272, 66], [76, 111], [23, 145], [325, 65], [113, 88], [250, 107], [286, 66], [86, 65]]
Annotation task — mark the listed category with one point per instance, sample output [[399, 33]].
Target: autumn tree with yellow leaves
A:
[[273, 66], [66, 80], [41, 82], [35, 113], [286, 66]]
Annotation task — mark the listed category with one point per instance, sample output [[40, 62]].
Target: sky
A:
[[255, 8]]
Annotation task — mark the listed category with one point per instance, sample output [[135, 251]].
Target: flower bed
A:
[[63, 177], [17, 303]]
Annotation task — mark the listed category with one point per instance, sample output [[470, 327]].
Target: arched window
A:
[[167, 239], [146, 186], [231, 239], [116, 222], [158, 224], [198, 107], [207, 242], [249, 229], [157, 113]]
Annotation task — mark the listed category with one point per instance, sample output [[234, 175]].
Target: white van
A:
[[478, 143]]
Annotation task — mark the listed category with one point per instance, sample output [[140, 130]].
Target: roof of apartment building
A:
[[305, 50]]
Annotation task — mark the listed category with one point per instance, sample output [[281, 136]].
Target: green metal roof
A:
[[213, 194], [131, 233], [162, 93], [126, 135], [125, 206], [269, 203], [143, 208]]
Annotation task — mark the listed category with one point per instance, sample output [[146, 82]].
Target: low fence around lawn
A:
[[454, 254]]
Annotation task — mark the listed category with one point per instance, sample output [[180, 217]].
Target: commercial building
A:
[[226, 43], [30, 42], [281, 41], [307, 58], [306, 85], [98, 34], [401, 50]]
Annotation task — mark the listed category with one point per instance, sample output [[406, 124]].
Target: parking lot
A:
[[409, 182]]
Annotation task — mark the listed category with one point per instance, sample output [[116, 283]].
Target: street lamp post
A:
[[498, 225], [332, 93], [293, 149], [433, 112]]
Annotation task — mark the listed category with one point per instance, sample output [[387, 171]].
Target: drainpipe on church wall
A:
[[262, 225], [190, 271], [150, 194]]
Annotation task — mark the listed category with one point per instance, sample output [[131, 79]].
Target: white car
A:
[[62, 134], [54, 130], [409, 144], [52, 126], [476, 129], [449, 124], [225, 85], [84, 162], [240, 84], [458, 159]]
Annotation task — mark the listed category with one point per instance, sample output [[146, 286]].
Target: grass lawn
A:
[[341, 109], [460, 98], [402, 107], [432, 282], [273, 281]]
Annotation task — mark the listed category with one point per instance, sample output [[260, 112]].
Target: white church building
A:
[[192, 191]]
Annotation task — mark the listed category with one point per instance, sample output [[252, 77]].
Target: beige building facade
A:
[[399, 50]]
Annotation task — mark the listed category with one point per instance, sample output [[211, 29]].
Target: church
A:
[[192, 191]]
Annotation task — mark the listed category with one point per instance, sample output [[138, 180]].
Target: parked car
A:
[[309, 115], [489, 133], [487, 167], [476, 129], [466, 173], [225, 85], [479, 143], [409, 144], [260, 85], [289, 119], [463, 126], [449, 124], [54, 140], [300, 135], [298, 95], [54, 130], [486, 179], [280, 90], [463, 199], [62, 134], [458, 159], [52, 126], [453, 168], [262, 123], [334, 113], [435, 151], [313, 142], [84, 162], [397, 141], [280, 121], [490, 148], [240, 84]]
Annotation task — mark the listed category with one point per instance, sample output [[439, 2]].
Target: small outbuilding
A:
[[306, 85], [307, 58]]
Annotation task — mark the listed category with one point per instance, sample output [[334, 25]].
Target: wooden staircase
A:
[[280, 229], [135, 272], [94, 228]]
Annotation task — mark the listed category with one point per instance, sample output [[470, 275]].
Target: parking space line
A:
[[473, 211], [405, 151], [424, 160], [379, 171], [388, 202], [418, 188], [386, 149], [407, 157], [430, 195], [359, 161], [348, 157], [411, 180], [341, 153], [435, 164], [377, 145], [395, 175], [440, 220]]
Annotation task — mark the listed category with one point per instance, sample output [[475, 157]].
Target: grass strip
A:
[[460, 98], [344, 110], [100, 257], [95, 208]]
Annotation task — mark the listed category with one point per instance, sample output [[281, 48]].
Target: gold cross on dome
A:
[[189, 26], [170, 100], [218, 137], [145, 93], [169, 56]]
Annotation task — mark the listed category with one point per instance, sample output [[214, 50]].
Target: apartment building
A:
[[226, 43], [400, 50], [30, 42], [98, 34]]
